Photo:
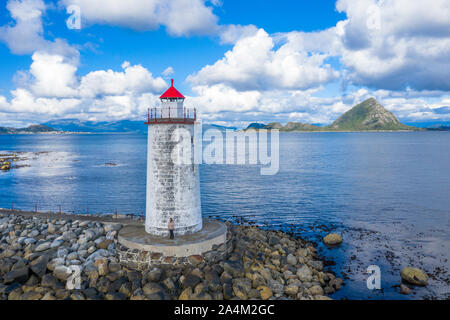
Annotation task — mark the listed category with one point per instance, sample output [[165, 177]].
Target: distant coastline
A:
[[348, 131], [34, 129], [323, 130], [368, 116], [48, 133]]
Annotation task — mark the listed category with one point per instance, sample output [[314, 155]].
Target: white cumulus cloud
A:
[[25, 35], [55, 90], [52, 75], [231, 33], [168, 72], [395, 44], [179, 17], [255, 63], [135, 79]]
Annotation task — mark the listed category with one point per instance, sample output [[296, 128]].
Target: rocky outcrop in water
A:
[[10, 161]]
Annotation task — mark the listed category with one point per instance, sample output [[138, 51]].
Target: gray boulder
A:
[[17, 275]]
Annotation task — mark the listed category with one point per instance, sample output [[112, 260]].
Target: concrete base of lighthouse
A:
[[140, 250]]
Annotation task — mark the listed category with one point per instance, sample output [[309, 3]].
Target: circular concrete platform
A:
[[213, 234]]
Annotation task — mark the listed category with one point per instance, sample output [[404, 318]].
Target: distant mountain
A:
[[299, 126], [29, 130], [218, 127], [256, 126], [122, 126], [430, 124], [439, 128], [274, 125], [368, 115], [75, 125], [290, 126]]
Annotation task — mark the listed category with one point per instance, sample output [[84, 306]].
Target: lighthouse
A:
[[173, 190]]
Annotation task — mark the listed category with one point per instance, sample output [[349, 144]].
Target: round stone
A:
[[414, 276], [332, 239], [291, 259], [265, 292]]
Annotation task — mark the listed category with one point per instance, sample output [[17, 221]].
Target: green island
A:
[[369, 115]]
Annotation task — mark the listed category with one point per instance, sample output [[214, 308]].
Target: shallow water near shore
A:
[[387, 193]]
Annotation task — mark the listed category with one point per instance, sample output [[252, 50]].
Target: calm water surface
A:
[[387, 193]]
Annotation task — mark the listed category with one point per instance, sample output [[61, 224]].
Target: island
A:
[[369, 115]]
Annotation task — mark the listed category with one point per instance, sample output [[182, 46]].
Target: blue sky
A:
[[236, 61], [156, 50]]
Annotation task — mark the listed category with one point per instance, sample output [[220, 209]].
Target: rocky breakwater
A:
[[263, 265], [60, 258]]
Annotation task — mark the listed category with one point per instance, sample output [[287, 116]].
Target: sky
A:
[[235, 61]]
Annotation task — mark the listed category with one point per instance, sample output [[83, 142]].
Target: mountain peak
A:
[[368, 115]]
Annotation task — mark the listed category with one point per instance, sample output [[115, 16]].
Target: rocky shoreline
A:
[[43, 258]]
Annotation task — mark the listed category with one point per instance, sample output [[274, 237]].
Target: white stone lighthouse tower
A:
[[173, 190]]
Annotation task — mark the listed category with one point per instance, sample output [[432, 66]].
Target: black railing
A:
[[171, 115]]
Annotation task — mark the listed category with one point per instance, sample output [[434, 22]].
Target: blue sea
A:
[[387, 193]]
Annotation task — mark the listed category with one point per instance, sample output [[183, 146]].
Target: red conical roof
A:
[[172, 93]]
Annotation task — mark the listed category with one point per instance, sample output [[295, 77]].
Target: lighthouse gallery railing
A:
[[171, 115]]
